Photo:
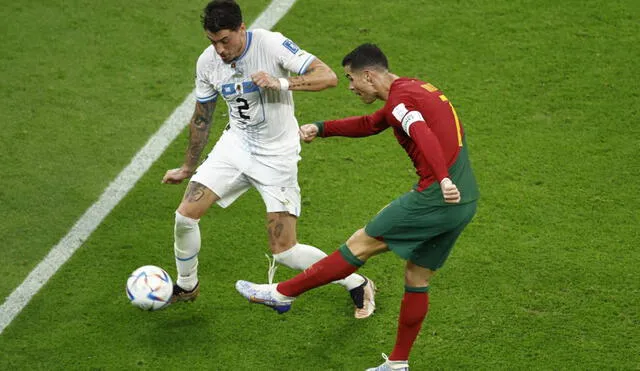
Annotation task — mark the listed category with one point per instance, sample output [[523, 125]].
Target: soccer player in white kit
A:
[[260, 147]]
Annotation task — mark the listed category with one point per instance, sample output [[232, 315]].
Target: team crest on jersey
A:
[[228, 89], [238, 88], [293, 48]]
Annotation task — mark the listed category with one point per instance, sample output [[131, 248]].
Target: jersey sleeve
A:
[[289, 55], [204, 90], [357, 126], [425, 139]]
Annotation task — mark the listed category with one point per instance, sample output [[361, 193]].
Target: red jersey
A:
[[423, 121]]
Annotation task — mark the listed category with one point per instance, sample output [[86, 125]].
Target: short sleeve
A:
[[290, 56], [204, 89]]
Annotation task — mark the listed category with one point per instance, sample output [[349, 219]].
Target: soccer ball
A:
[[149, 288]]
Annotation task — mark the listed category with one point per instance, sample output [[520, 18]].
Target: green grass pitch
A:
[[545, 278]]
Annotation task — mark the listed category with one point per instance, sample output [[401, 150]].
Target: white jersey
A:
[[262, 119]]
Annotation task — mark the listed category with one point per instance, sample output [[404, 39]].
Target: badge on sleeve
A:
[[293, 48]]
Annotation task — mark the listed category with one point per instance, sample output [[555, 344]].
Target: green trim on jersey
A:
[[320, 126]]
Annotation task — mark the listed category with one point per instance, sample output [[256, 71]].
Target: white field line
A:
[[116, 191]]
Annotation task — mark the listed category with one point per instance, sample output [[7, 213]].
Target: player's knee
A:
[[415, 281], [416, 276], [364, 246], [189, 210], [358, 237]]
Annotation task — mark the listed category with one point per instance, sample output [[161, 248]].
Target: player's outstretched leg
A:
[[360, 288], [265, 294], [279, 296], [391, 365]]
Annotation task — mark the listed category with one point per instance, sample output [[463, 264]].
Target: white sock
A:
[[302, 256], [186, 248]]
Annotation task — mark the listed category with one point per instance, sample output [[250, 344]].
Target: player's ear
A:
[[367, 76]]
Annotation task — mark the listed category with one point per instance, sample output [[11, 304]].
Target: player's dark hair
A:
[[221, 15], [365, 55]]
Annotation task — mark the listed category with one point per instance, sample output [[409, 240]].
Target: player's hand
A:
[[266, 81], [308, 132], [449, 191], [176, 176]]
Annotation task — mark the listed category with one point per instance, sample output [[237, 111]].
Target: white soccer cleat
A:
[[391, 365], [368, 304], [265, 295]]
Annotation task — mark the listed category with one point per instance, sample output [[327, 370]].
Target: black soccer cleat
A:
[[180, 294], [363, 298]]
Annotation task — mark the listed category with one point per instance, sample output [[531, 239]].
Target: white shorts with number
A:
[[229, 171]]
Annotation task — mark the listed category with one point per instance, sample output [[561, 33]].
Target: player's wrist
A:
[[284, 83], [188, 169], [320, 126]]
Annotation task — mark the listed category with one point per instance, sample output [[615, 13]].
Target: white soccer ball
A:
[[149, 288]]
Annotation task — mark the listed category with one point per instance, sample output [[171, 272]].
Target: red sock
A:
[[413, 309], [328, 269]]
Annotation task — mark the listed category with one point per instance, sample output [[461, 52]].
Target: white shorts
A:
[[229, 171]]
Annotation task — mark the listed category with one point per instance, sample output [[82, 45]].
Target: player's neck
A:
[[244, 42], [384, 84]]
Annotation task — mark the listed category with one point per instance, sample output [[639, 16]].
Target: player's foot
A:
[[364, 299], [391, 365], [180, 294], [264, 294]]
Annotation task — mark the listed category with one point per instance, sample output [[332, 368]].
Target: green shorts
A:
[[419, 231]]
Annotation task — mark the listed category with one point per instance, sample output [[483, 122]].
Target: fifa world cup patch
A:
[[293, 48]]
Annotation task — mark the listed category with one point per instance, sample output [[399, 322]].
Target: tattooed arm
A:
[[318, 77], [199, 128]]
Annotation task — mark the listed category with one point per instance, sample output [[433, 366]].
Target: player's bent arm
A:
[[199, 128], [318, 76], [355, 127], [430, 148]]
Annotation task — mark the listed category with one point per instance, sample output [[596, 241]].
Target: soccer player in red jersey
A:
[[422, 225]]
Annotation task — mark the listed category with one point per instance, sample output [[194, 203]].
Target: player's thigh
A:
[[363, 246], [434, 251], [221, 173], [407, 225], [398, 226], [280, 198]]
